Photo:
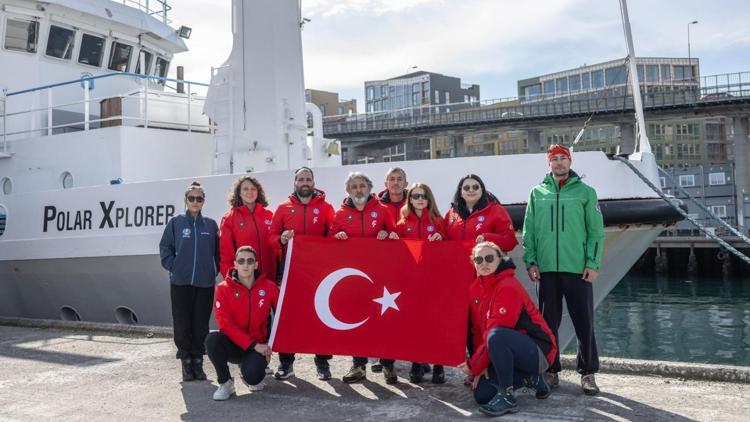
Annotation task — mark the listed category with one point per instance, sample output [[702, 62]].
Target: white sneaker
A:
[[257, 387], [225, 390]]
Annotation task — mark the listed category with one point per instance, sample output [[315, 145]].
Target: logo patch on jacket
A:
[[236, 295], [502, 310], [268, 222], [410, 228], [374, 214], [218, 304], [185, 233], [430, 229], [293, 211], [260, 302], [261, 293], [316, 211], [349, 217], [242, 224]]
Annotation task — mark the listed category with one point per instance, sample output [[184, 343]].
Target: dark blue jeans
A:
[[221, 351]]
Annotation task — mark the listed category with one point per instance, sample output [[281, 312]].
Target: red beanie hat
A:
[[557, 149]]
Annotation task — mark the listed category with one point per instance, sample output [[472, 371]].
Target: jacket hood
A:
[[550, 182], [505, 269], [385, 196], [483, 203], [232, 277], [372, 201]]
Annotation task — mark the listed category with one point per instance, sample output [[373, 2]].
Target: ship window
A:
[[147, 59], [3, 218], [162, 66], [21, 35], [60, 42], [92, 50], [67, 180], [120, 56], [7, 186]]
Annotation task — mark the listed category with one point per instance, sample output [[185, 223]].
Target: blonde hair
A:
[[490, 245]]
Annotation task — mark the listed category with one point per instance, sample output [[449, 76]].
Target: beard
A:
[[359, 200], [304, 191]]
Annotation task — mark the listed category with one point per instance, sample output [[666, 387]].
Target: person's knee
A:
[[212, 340], [499, 336], [253, 368]]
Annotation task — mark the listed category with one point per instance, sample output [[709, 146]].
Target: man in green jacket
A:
[[563, 234]]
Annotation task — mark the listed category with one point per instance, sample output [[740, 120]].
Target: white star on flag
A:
[[388, 300]]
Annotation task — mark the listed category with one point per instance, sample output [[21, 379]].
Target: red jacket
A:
[[413, 227], [499, 300], [313, 219], [239, 227], [241, 313], [394, 207], [366, 223], [492, 221]]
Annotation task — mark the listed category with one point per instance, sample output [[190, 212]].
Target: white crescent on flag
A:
[[323, 297]]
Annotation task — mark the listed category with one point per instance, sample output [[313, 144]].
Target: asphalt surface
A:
[[52, 374]]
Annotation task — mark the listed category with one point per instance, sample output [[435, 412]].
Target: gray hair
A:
[[357, 175], [395, 170]]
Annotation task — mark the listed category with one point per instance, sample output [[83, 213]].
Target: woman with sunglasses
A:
[[244, 301], [477, 216], [420, 219], [516, 346], [248, 222], [189, 250]]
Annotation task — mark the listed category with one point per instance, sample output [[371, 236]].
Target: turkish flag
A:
[[394, 299]]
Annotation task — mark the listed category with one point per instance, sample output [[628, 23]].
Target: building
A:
[[417, 89], [329, 102]]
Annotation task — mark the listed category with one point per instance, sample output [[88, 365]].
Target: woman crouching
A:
[[242, 308], [516, 345]]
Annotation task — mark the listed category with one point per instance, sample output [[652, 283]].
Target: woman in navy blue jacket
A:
[[189, 250]]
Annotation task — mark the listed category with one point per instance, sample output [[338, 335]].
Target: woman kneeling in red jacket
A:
[[243, 304], [513, 346]]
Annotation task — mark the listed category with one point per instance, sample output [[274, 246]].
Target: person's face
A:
[[560, 165], [245, 264], [248, 192], [395, 183], [304, 184], [485, 268], [194, 201], [358, 190], [419, 199], [471, 191]]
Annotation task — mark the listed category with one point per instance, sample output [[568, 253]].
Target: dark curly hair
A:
[[235, 200]]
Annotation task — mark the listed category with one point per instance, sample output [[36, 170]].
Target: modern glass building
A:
[[417, 89]]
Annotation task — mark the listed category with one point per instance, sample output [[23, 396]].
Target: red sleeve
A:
[[390, 224], [226, 244], [503, 234], [335, 224], [401, 229], [277, 226], [440, 227], [329, 219], [274, 253], [224, 319]]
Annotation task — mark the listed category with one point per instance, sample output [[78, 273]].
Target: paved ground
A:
[[48, 374]]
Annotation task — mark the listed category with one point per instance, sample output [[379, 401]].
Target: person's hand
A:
[[393, 235], [590, 275], [341, 235], [464, 368], [382, 234], [478, 378], [434, 236], [480, 238], [286, 235], [264, 350], [534, 273]]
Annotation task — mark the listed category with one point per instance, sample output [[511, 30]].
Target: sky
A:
[[493, 43]]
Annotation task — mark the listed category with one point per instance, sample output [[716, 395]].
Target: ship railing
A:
[[144, 106], [157, 8]]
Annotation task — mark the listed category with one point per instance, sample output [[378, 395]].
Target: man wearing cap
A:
[[305, 212], [563, 234]]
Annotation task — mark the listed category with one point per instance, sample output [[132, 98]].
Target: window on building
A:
[[687, 180], [561, 86], [719, 210], [339, 110], [322, 108], [119, 57], [532, 91], [574, 83], [597, 79], [437, 97], [370, 92], [652, 73], [666, 73], [60, 42], [384, 90], [415, 87], [466, 98], [549, 88], [717, 179], [663, 182], [415, 99], [92, 50], [147, 59], [585, 81], [447, 97], [616, 75], [21, 35], [641, 73]]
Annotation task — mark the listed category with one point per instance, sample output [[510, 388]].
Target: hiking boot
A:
[[539, 385], [502, 403], [389, 373], [552, 379], [416, 373], [187, 370], [588, 384], [284, 372], [198, 369], [438, 375], [427, 368], [224, 391], [324, 372], [376, 368], [356, 374]]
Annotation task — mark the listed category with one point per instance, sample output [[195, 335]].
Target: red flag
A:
[[394, 299]]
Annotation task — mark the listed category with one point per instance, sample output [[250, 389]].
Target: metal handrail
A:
[[103, 76]]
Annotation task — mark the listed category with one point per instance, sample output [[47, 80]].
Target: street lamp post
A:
[[690, 62]]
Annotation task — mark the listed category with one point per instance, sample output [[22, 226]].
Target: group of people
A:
[[511, 343]]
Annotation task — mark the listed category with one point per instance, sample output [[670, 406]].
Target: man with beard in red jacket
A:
[[362, 215], [305, 212]]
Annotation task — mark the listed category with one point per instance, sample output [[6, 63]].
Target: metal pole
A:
[[86, 83], [188, 105], [644, 146], [5, 120], [49, 111], [690, 62], [145, 102]]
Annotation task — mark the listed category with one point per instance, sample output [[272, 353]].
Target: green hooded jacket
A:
[[563, 230]]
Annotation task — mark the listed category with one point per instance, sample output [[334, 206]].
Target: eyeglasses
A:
[[197, 199], [418, 196], [242, 261], [479, 259], [474, 187]]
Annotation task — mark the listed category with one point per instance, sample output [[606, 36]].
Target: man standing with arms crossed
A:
[[305, 212], [563, 234]]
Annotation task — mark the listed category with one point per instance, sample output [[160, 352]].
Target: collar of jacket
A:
[[371, 202], [244, 209], [385, 196], [551, 183], [483, 203], [197, 219], [317, 195], [234, 277], [505, 269]]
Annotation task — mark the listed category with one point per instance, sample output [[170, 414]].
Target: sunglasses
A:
[[197, 199], [418, 196], [479, 259], [242, 261], [474, 187]]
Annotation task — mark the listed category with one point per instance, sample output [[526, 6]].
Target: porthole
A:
[[7, 186], [67, 180]]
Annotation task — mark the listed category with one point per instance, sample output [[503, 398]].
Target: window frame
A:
[[722, 213], [686, 176], [723, 179], [27, 19], [149, 64], [73, 48], [112, 50], [104, 48]]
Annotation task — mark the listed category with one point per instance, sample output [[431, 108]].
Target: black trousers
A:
[[222, 351], [288, 359], [191, 310], [579, 296]]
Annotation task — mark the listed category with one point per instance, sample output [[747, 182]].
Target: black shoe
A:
[[539, 385], [187, 370], [198, 369], [389, 373], [284, 372], [502, 403], [427, 368], [324, 372], [438, 375], [376, 367], [416, 373]]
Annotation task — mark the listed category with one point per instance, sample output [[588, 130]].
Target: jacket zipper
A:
[[249, 310], [260, 245], [419, 228], [362, 214], [563, 218], [551, 217], [304, 218], [557, 232], [195, 249]]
